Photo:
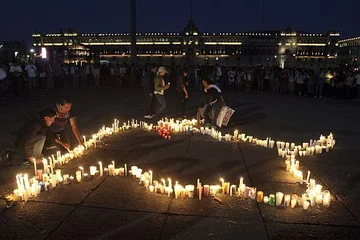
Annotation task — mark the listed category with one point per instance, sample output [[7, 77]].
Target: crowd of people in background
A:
[[339, 82]]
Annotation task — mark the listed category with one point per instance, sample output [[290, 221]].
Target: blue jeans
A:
[[214, 111], [162, 104]]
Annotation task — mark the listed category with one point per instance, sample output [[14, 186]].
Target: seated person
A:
[[56, 134], [211, 103], [32, 136]]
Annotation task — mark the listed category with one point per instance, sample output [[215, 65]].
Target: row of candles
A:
[[27, 188], [49, 178]]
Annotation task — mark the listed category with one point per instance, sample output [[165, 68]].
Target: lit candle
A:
[[78, 176], [326, 198], [293, 203], [35, 166], [266, 199], [125, 170], [92, 170], [306, 205], [151, 176], [260, 196], [308, 177], [222, 185], [101, 169], [82, 171], [151, 188], [279, 197]]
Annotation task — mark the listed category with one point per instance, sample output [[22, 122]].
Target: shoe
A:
[[27, 163], [148, 116]]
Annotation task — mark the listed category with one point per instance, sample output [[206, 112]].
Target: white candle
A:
[[35, 170], [266, 199], [92, 170], [308, 177], [279, 197], [151, 176], [78, 176], [293, 203], [101, 169], [125, 170], [306, 205]]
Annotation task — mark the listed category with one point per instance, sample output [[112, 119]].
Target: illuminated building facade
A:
[[349, 52], [283, 48]]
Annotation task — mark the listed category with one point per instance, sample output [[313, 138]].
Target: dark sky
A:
[[21, 18]]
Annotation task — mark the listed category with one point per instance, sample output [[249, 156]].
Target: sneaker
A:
[[27, 163], [148, 116]]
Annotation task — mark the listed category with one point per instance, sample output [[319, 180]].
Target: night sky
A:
[[21, 18]]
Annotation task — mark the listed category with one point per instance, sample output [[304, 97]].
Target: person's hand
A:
[[82, 144], [65, 145], [151, 94], [186, 96], [167, 86]]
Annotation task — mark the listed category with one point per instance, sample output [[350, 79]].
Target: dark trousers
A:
[[214, 111], [162, 104], [37, 148], [183, 102], [149, 101]]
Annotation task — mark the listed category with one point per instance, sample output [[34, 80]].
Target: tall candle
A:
[[151, 176], [35, 170], [125, 170], [101, 169], [308, 177]]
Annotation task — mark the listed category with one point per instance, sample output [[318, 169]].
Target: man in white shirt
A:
[[31, 69], [357, 79]]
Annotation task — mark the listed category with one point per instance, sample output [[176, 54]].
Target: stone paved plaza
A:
[[118, 208]]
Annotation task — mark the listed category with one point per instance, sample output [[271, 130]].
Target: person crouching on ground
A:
[[211, 103], [160, 87], [33, 135], [57, 133], [149, 90]]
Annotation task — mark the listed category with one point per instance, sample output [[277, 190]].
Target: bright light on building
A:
[[32, 50], [16, 54], [43, 53]]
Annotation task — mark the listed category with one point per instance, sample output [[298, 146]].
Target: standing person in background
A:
[[319, 85], [97, 74], [42, 78], [65, 68], [83, 76], [31, 69], [2, 83], [17, 78], [49, 76], [357, 81], [182, 82], [89, 70], [160, 87], [149, 90], [74, 73], [231, 79]]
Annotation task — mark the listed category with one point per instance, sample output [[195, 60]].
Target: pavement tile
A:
[[188, 227], [31, 220], [304, 231], [233, 207], [126, 194], [92, 223]]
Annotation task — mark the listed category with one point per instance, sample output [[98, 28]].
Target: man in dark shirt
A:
[[33, 134], [149, 89], [57, 134], [182, 83]]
